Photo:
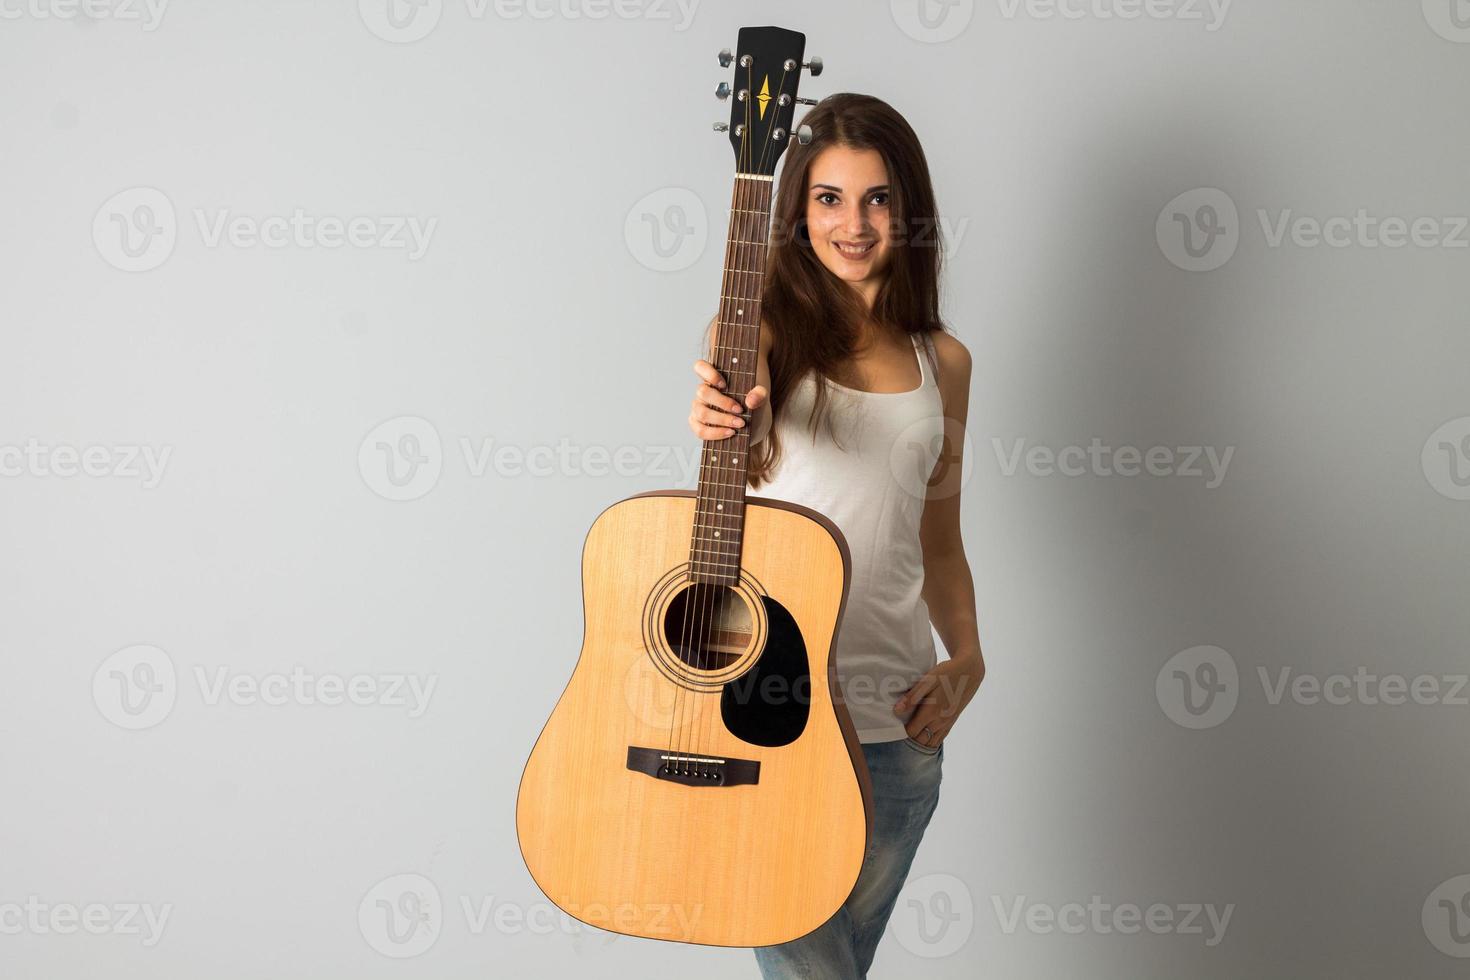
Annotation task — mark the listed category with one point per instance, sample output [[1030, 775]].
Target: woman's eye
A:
[[825, 195], [880, 199]]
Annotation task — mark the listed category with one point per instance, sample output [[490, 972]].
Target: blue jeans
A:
[[906, 779]]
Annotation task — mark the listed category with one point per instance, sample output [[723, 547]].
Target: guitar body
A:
[[707, 793]]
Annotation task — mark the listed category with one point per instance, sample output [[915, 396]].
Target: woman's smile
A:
[[854, 250]]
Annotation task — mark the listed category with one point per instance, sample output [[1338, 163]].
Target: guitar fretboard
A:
[[719, 510]]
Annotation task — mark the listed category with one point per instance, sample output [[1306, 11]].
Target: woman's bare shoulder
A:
[[951, 351], [954, 372]]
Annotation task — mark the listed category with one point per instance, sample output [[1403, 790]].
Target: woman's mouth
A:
[[853, 250]]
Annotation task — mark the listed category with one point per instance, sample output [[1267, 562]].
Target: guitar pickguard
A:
[[770, 703]]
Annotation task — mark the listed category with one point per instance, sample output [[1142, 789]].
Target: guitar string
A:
[[729, 285], [714, 529], [737, 257], [751, 245], [750, 242], [749, 232], [677, 746], [684, 741], [730, 278], [739, 225]]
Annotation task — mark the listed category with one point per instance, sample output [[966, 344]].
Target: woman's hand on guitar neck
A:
[[715, 415]]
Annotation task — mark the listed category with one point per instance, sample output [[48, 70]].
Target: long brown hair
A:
[[815, 317]]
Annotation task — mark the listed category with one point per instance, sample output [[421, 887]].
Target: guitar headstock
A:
[[768, 70]]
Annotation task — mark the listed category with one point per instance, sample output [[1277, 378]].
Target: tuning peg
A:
[[722, 91], [803, 134], [814, 66], [802, 100], [726, 57], [721, 127]]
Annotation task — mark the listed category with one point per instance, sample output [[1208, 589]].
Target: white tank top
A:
[[873, 490]]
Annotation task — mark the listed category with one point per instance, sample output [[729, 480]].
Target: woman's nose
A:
[[856, 221]]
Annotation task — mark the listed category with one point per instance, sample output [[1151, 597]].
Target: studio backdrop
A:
[[328, 329]]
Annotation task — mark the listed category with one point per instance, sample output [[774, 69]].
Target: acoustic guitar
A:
[[699, 779]]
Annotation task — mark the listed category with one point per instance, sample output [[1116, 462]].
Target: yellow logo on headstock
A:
[[765, 95]]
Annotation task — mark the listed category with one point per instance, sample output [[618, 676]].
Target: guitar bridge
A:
[[691, 769]]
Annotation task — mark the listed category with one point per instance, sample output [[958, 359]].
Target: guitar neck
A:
[[719, 515]]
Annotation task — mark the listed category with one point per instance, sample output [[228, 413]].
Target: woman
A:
[[865, 424]]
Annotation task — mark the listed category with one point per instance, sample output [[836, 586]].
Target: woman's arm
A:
[[949, 588]]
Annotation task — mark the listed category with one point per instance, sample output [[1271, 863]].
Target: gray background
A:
[[546, 317]]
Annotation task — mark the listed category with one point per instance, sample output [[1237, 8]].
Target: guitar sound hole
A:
[[708, 626]]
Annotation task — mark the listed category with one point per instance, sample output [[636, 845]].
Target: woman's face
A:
[[847, 215]]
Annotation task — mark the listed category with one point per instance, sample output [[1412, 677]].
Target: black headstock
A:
[[768, 69]]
